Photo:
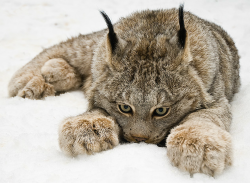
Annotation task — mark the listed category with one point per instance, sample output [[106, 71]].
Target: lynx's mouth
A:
[[150, 140]]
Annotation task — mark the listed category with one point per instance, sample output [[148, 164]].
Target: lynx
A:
[[161, 77]]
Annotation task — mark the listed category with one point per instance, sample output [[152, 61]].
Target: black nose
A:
[[140, 138]]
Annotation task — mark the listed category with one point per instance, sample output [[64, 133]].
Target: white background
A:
[[29, 150]]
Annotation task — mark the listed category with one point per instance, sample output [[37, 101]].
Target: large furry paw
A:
[[87, 134], [36, 88], [61, 75], [199, 147]]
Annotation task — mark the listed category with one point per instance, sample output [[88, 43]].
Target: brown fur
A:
[[89, 133], [147, 70]]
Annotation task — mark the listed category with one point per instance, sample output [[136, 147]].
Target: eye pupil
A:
[[125, 106], [160, 109]]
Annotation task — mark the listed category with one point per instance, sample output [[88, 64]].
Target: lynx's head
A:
[[141, 74]]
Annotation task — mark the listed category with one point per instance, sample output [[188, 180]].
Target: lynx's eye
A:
[[125, 108], [162, 111]]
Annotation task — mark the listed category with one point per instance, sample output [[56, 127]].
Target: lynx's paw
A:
[[61, 75], [199, 147], [87, 134], [36, 88]]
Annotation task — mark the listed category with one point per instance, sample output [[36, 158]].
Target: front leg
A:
[[88, 133], [201, 144]]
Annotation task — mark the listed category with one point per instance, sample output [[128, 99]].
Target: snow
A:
[[29, 150]]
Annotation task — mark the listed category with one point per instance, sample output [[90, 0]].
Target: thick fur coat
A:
[[163, 76]]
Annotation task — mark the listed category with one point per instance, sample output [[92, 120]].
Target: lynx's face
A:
[[142, 78], [145, 109]]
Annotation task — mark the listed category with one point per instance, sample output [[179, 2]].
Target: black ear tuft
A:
[[112, 35], [182, 32]]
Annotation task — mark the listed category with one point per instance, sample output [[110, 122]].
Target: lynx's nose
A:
[[140, 138]]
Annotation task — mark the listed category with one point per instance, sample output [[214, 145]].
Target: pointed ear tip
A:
[[182, 31], [102, 12], [181, 6], [181, 10], [104, 15], [112, 37]]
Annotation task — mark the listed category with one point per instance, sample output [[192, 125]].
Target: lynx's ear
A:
[[182, 34], [113, 42], [112, 39], [183, 38]]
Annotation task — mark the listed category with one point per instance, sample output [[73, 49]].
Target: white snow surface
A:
[[29, 150]]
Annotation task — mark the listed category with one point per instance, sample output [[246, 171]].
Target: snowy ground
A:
[[29, 150]]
